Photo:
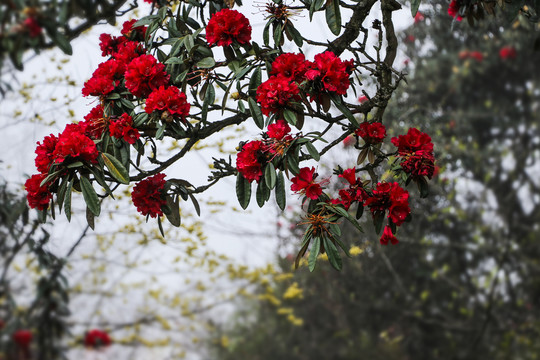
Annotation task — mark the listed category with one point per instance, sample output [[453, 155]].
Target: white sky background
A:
[[249, 237]]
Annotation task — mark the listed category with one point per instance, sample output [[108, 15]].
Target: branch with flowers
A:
[[162, 80]]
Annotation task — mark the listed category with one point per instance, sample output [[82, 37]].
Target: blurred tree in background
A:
[[464, 282]]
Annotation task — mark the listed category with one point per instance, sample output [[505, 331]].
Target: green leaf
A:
[[174, 214], [117, 170], [266, 33], [255, 82], [313, 151], [278, 35], [160, 226], [290, 116], [378, 220], [90, 219], [67, 200], [140, 119], [262, 192], [415, 4], [333, 16], [270, 175], [161, 130], [333, 254], [256, 113], [243, 190], [293, 162], [297, 37], [313, 253], [90, 196], [206, 63], [280, 191], [189, 42], [315, 6], [195, 204], [63, 43]]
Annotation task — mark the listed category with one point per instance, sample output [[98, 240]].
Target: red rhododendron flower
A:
[[74, 145], [418, 17], [97, 338], [136, 33], [355, 192], [227, 26], [349, 175], [170, 99], [147, 195], [419, 165], [276, 94], [122, 128], [388, 236], [23, 338], [413, 141], [349, 141], [278, 130], [391, 197], [410, 38], [126, 52], [104, 79], [507, 52], [44, 153], [292, 66], [94, 123], [144, 74], [416, 150], [38, 196], [453, 10], [304, 183], [331, 72], [476, 55], [33, 27], [248, 161], [109, 44], [372, 133]]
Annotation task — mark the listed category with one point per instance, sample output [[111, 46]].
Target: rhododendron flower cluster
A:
[[453, 10], [278, 140], [388, 236], [148, 196], [372, 133], [73, 144], [22, 338], [304, 183], [291, 66], [96, 338], [33, 27], [276, 94], [507, 52], [354, 193], [416, 152], [144, 74], [105, 79], [227, 26], [38, 196], [250, 160], [392, 198], [122, 128], [68, 147], [330, 73], [94, 123], [169, 99]]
